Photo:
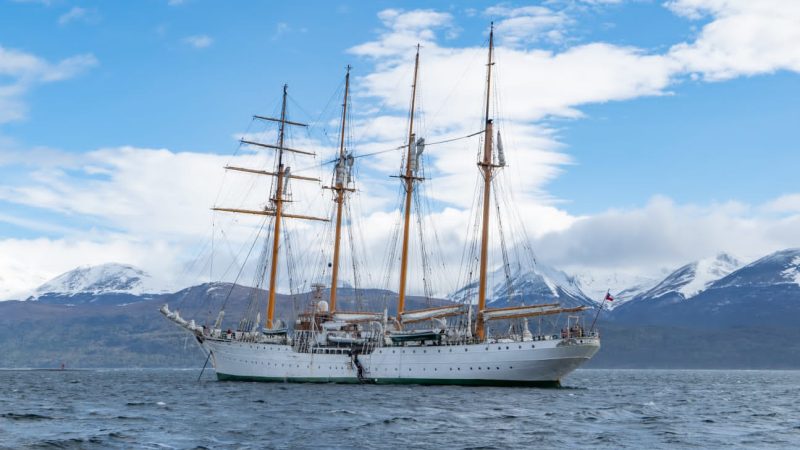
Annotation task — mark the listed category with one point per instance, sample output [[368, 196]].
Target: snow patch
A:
[[792, 271], [706, 271], [695, 277]]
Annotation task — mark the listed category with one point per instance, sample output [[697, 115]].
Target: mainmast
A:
[[487, 168], [408, 179], [283, 176], [341, 178], [277, 203]]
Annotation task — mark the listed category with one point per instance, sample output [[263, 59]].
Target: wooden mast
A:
[[339, 189], [277, 202], [486, 169], [282, 177], [408, 179]]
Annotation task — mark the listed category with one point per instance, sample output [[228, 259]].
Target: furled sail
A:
[[431, 313], [354, 316], [526, 311]]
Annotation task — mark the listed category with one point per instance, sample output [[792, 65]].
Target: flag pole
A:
[[600, 309]]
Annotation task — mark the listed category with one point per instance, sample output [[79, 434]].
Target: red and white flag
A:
[[609, 297]]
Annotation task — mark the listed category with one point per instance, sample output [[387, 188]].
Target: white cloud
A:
[[404, 30], [743, 37], [789, 203], [198, 41], [79, 14], [22, 71], [664, 234], [527, 25]]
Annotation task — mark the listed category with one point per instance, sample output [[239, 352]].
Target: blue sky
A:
[[688, 105]]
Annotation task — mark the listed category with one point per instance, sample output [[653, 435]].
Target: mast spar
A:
[[487, 169], [339, 188], [408, 179]]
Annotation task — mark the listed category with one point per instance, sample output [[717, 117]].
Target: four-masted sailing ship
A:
[[327, 344]]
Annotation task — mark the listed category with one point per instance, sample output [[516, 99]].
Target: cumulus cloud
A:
[[789, 203], [742, 37], [663, 234]]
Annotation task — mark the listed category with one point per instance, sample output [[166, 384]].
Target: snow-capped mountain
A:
[[693, 278], [89, 283], [541, 284], [763, 293], [782, 267], [623, 286]]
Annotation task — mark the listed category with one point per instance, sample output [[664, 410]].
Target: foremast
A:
[[283, 176], [487, 170], [341, 177], [408, 181]]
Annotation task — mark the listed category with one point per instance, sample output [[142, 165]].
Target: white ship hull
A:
[[527, 363]]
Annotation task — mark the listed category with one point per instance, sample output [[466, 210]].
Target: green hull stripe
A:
[[422, 381]]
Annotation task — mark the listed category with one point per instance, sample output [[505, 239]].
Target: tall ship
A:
[[462, 341]]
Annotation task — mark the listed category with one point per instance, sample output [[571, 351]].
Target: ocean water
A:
[[596, 408]]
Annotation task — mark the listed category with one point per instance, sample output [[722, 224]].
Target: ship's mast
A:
[[277, 202], [408, 179], [339, 188], [283, 176], [487, 168]]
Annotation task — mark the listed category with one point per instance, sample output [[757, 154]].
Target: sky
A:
[[641, 135]]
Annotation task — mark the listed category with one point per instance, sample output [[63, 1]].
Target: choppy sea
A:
[[596, 408]]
